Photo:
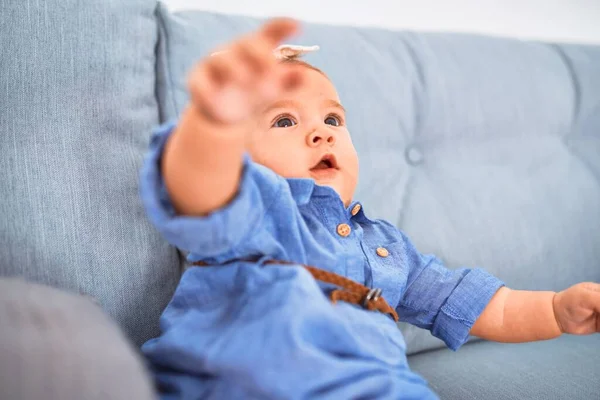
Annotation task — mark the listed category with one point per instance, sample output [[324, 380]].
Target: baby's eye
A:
[[284, 122], [333, 120]]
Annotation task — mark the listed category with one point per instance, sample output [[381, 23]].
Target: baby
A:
[[295, 292]]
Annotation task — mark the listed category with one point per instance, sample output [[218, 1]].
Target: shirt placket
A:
[[348, 234], [377, 262]]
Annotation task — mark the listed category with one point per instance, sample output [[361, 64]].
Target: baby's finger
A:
[[591, 296], [219, 102], [203, 88], [218, 69], [279, 79], [254, 54], [276, 30]]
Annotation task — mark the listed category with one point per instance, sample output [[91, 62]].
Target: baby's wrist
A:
[[556, 311], [206, 124], [206, 116]]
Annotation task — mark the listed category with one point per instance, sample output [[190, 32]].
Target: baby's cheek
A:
[[282, 162], [290, 166], [353, 161]]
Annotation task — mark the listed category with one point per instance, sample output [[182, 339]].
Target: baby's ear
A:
[[291, 51]]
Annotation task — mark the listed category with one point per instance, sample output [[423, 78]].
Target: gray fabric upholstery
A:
[[567, 368], [59, 346], [77, 107]]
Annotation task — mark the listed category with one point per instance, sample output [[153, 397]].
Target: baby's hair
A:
[[295, 61]]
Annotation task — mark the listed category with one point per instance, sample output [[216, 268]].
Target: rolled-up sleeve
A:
[[218, 233], [446, 302]]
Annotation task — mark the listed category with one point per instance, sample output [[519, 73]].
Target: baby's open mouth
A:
[[328, 161], [326, 169]]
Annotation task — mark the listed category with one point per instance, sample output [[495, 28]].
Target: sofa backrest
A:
[[484, 151], [77, 105]]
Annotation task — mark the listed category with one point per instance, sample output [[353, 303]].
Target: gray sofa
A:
[[485, 151]]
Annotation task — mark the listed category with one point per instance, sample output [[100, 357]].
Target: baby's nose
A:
[[316, 138]]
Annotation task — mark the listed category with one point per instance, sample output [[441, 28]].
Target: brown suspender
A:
[[350, 291]]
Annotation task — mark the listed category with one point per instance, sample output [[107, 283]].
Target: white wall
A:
[[557, 20]]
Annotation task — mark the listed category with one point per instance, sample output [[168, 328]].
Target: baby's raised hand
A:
[[230, 85], [577, 309]]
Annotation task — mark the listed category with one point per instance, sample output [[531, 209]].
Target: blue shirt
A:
[[249, 330]]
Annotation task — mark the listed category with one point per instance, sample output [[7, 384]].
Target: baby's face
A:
[[303, 134]]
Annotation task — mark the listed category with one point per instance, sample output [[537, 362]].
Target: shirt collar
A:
[[304, 189]]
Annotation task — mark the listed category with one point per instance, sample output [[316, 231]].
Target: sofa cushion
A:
[[483, 150], [77, 107], [565, 368]]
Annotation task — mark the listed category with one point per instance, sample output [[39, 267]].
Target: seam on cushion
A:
[[419, 106], [404, 200], [163, 39], [576, 86], [157, 50], [575, 119]]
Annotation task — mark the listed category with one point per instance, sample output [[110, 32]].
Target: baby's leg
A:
[[58, 346]]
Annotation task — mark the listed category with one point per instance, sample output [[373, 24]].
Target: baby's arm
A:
[[202, 162], [524, 316], [456, 303], [518, 316]]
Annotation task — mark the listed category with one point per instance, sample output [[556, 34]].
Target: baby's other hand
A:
[[577, 309], [230, 85]]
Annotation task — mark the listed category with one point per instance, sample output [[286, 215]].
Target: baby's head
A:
[[303, 134]]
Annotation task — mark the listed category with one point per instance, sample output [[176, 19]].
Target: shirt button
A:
[[343, 230], [382, 252], [355, 210]]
